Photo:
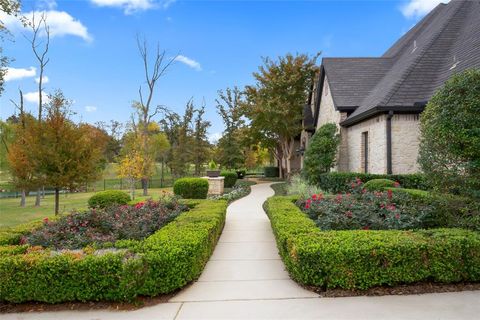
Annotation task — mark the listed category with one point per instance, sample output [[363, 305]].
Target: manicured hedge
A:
[[271, 172], [162, 263], [230, 178], [12, 235], [379, 184], [107, 198], [363, 259], [191, 188], [336, 182]]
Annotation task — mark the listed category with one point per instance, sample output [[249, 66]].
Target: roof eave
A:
[[416, 108]]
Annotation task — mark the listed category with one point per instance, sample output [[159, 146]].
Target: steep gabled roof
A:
[[446, 41]]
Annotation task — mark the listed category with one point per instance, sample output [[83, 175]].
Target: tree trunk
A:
[[37, 198], [43, 192], [145, 186], [57, 200], [22, 199], [161, 175]]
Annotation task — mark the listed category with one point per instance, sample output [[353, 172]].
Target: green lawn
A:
[[12, 214]]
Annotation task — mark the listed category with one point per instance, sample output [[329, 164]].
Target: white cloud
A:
[[419, 8], [20, 73], [60, 23], [132, 6], [90, 108], [189, 62], [32, 97], [128, 6], [45, 79], [214, 137]]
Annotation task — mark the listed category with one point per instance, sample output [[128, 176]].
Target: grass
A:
[[280, 188], [12, 214]]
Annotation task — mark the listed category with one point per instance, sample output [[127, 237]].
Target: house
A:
[[376, 101]]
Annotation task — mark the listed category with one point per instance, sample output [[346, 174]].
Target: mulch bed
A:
[[417, 288], [85, 306]]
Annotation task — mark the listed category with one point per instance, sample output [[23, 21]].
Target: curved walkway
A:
[[245, 279]]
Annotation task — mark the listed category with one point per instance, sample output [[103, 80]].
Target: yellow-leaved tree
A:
[[131, 167]]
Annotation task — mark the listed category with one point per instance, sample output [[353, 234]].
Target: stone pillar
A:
[[215, 185]]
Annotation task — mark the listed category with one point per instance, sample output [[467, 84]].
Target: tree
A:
[[143, 108], [450, 135], [321, 152], [131, 167], [68, 155], [114, 135], [201, 146], [181, 153], [275, 103], [231, 148]]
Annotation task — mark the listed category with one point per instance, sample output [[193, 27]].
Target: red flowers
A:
[[139, 205], [308, 203], [45, 220], [396, 184], [348, 214], [397, 216], [389, 194]]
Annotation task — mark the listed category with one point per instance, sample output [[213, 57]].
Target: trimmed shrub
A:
[[271, 172], [166, 261], [447, 210], [191, 188], [230, 178], [336, 182], [321, 152], [108, 198], [380, 184], [363, 259]]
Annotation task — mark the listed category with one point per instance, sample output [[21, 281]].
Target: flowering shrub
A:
[[362, 209], [237, 192], [77, 230]]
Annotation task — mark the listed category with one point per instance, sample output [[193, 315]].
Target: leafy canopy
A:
[[450, 135]]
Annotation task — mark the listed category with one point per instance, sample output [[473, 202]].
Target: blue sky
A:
[[95, 61]]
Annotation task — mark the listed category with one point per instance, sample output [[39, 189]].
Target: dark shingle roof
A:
[[413, 68]]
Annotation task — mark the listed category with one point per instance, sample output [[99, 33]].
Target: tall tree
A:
[[143, 108], [229, 107], [181, 156], [275, 103], [69, 154], [200, 146]]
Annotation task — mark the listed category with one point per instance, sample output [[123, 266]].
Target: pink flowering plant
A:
[[362, 209], [113, 223]]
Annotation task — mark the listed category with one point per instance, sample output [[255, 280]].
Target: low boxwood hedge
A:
[[336, 182], [161, 263], [103, 199], [230, 178], [271, 172], [379, 184], [191, 188], [363, 259]]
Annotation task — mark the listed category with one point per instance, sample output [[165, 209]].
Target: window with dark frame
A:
[[365, 151]]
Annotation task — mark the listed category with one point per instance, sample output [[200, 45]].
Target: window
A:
[[364, 151]]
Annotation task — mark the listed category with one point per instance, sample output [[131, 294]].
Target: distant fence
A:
[[105, 184]]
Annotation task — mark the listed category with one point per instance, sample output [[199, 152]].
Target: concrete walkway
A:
[[245, 279]]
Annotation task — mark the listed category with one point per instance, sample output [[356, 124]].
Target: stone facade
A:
[[405, 143]]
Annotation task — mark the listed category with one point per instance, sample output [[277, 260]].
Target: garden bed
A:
[[363, 259], [161, 263]]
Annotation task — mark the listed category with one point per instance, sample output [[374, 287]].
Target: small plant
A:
[[301, 187], [107, 198], [191, 188], [212, 165]]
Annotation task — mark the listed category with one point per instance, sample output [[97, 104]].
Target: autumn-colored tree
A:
[[68, 155], [131, 168], [275, 103]]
